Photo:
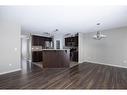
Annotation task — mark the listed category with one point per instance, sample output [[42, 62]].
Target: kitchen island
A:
[[55, 58]]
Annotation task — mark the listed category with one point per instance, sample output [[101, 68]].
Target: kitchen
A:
[[52, 51]]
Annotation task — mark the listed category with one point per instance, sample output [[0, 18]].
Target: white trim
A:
[[107, 64], [10, 71]]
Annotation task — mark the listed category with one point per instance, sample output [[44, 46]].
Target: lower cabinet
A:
[[37, 56], [74, 54]]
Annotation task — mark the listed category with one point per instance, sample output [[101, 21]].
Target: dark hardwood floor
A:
[[82, 76]]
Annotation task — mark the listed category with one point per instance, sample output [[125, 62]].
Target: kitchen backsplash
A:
[[36, 48]]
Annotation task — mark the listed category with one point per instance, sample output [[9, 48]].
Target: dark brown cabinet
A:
[[40, 40], [74, 54], [71, 41], [35, 40], [37, 56]]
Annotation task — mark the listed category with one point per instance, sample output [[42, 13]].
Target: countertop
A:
[[49, 49], [55, 49]]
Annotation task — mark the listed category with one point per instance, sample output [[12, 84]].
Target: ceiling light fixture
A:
[[98, 35]]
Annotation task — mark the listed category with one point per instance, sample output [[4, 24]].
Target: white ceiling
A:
[[68, 19]]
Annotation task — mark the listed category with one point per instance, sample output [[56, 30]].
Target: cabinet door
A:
[[40, 56], [65, 41], [40, 40], [36, 56], [50, 39], [35, 40], [76, 40], [75, 56]]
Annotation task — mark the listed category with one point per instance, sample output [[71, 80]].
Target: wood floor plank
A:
[[82, 76]]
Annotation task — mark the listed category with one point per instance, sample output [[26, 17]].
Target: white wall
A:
[[81, 40], [111, 50], [9, 47]]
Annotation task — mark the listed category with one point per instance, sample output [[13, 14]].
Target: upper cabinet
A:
[[35, 40], [71, 41], [40, 40]]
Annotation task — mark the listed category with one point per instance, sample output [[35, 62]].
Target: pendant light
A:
[[99, 35]]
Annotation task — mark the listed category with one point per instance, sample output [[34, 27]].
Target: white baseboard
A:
[[10, 71], [107, 64]]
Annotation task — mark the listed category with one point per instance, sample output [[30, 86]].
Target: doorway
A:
[[25, 52]]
